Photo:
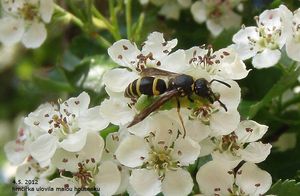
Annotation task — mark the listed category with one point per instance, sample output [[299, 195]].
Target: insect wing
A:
[[154, 106], [157, 72]]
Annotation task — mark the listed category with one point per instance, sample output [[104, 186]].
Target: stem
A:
[[109, 26], [128, 18], [89, 4], [294, 100], [104, 42], [114, 20], [70, 16], [139, 26]]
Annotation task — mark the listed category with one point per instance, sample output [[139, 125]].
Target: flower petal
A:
[[25, 172], [228, 157], [232, 119], [186, 151], [74, 142], [93, 148], [265, 59], [15, 152], [61, 186], [177, 183], [124, 53], [197, 130], [76, 105], [65, 160], [198, 10], [292, 49], [108, 178], [145, 182], [214, 178], [252, 180], [11, 30], [43, 148], [175, 62], [214, 27], [250, 131], [158, 46], [116, 111], [255, 152], [35, 35], [170, 10], [118, 79], [231, 66], [132, 151], [231, 97], [92, 120], [46, 10]]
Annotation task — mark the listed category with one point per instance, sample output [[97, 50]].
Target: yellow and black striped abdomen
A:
[[145, 86]]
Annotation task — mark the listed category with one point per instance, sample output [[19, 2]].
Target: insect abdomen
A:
[[146, 86]]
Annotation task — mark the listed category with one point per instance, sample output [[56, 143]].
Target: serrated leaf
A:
[[286, 81], [284, 188]]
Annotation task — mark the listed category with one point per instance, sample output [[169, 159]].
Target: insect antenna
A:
[[222, 105], [224, 83]]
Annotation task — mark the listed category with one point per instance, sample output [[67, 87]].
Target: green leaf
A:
[[55, 81], [287, 187], [109, 129], [283, 165], [6, 189], [286, 81]]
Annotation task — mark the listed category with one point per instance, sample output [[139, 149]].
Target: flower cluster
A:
[[219, 14], [160, 148], [64, 136], [169, 8], [24, 20], [264, 43], [159, 153]]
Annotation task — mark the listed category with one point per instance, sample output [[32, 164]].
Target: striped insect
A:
[[177, 85]]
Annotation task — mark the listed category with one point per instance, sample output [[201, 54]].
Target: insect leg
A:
[[180, 117]]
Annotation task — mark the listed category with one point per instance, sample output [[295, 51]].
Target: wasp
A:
[[178, 85]]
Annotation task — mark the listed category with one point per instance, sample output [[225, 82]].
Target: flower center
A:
[[84, 176], [161, 161], [64, 125], [29, 11], [204, 113]]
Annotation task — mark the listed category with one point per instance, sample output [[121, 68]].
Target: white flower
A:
[[155, 48], [87, 168], [240, 145], [218, 178], [157, 161], [64, 125], [17, 150], [23, 20], [293, 42], [222, 65], [169, 8], [264, 42], [116, 110], [219, 15], [93, 80], [30, 171]]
